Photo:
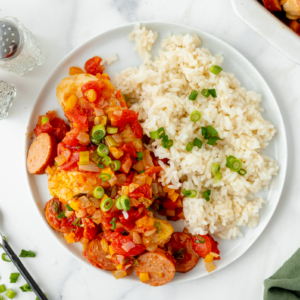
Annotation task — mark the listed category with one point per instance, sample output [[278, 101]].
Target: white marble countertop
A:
[[59, 26]]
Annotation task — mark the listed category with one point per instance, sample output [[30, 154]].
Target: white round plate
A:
[[116, 41]]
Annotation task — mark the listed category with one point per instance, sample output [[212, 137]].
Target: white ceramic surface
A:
[[115, 40], [268, 26]]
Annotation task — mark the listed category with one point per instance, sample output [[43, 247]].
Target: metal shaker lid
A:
[[10, 40]]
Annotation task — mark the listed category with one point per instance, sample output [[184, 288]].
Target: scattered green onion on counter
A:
[[2, 288], [14, 277], [26, 288], [25, 253], [10, 294], [5, 257]]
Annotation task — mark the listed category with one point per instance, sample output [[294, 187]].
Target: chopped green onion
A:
[[157, 225], [111, 142], [10, 294], [105, 177], [26, 288], [61, 215], [2, 288], [112, 130], [69, 208], [98, 132], [236, 165], [189, 193], [141, 172], [77, 222], [123, 203], [242, 172], [193, 95], [197, 143], [158, 134], [166, 143], [56, 164], [115, 165], [140, 156], [98, 192], [30, 254], [215, 168], [189, 146], [229, 160], [14, 277], [106, 160], [102, 150], [38, 298], [96, 158], [106, 204], [215, 69], [113, 223], [212, 132], [124, 97], [4, 257], [100, 166], [205, 93], [195, 116], [1, 298], [206, 195], [45, 120], [212, 141], [204, 132], [217, 177], [200, 239], [213, 93], [23, 253]]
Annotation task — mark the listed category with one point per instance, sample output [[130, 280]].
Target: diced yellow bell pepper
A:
[[70, 238], [84, 158], [109, 85], [144, 277], [108, 171], [209, 266], [149, 180], [71, 102], [119, 267], [119, 274], [208, 258], [49, 171], [75, 71], [91, 95], [111, 251], [174, 197], [103, 120], [117, 153], [111, 142], [75, 204], [104, 197]]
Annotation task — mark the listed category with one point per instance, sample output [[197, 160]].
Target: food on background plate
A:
[[103, 180], [288, 11], [182, 142]]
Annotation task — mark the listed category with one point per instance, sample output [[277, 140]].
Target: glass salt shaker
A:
[[7, 95], [19, 52]]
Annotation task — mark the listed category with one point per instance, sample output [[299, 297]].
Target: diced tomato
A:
[[60, 128], [78, 233], [129, 148], [86, 222], [62, 150], [75, 115], [97, 86], [92, 66], [120, 241], [137, 128], [76, 148], [72, 163], [133, 214], [66, 224], [128, 225], [107, 217], [71, 137], [111, 235], [153, 170], [169, 204], [126, 163], [89, 233], [119, 96], [129, 178], [205, 245], [142, 191], [47, 128], [128, 116]]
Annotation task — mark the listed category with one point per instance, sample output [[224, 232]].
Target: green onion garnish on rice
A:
[[215, 168], [205, 93], [211, 131], [189, 146], [242, 172], [215, 69], [158, 134], [189, 193], [195, 116], [217, 177], [197, 143], [193, 95], [206, 195], [213, 93], [212, 141], [166, 143], [236, 165]]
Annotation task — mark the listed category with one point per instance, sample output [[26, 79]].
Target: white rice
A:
[[159, 89], [110, 59]]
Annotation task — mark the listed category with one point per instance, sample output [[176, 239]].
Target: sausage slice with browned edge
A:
[[160, 266], [180, 245], [97, 256], [41, 153]]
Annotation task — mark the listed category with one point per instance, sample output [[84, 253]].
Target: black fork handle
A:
[[15, 259]]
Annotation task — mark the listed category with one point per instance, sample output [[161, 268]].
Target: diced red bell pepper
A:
[[137, 128], [153, 170], [72, 163], [89, 233], [76, 116], [126, 163], [129, 148], [128, 116], [142, 191], [120, 241]]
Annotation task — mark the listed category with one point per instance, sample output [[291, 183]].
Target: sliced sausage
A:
[[41, 153], [52, 209], [97, 256], [181, 247], [160, 266], [272, 5]]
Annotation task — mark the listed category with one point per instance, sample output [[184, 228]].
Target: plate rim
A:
[[283, 167]]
